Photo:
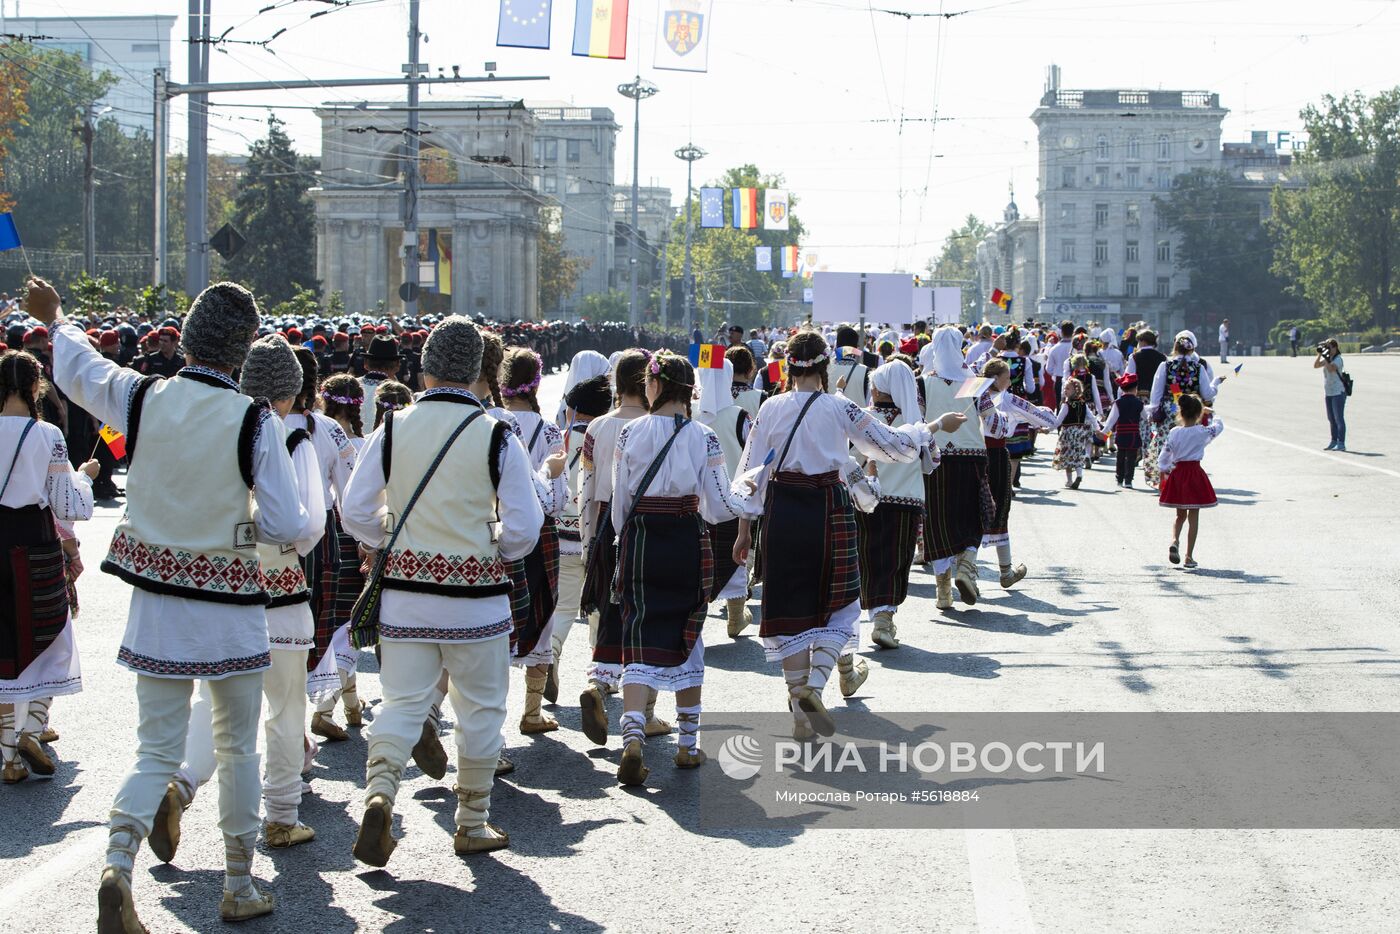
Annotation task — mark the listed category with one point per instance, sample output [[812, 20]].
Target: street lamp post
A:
[[638, 91], [690, 153]]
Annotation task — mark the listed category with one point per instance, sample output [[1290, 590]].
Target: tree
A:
[[559, 270], [1339, 238], [958, 260], [273, 211], [604, 306], [90, 296], [13, 88], [728, 286], [1227, 251]]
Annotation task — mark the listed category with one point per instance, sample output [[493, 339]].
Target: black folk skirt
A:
[[999, 482], [665, 568], [722, 539], [322, 568], [958, 506], [534, 591], [598, 590], [33, 587], [810, 553], [887, 537]]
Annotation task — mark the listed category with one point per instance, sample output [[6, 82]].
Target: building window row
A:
[[1132, 148], [1066, 287]]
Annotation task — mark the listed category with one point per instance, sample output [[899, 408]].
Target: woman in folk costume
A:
[[589, 399], [342, 397], [730, 423], [38, 487], [1183, 372], [194, 440], [586, 365], [811, 593], [446, 600], [669, 483], [535, 577], [887, 535], [1021, 384], [957, 499], [599, 534], [999, 425], [336, 456]]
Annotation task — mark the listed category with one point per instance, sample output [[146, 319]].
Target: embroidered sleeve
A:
[[553, 438], [892, 445], [714, 454], [587, 462], [718, 503], [69, 492]]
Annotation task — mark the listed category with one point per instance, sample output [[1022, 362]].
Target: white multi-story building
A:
[[130, 48]]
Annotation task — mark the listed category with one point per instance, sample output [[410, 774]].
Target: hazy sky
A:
[[817, 89]]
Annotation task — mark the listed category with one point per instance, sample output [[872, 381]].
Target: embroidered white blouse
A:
[[694, 466], [1188, 443]]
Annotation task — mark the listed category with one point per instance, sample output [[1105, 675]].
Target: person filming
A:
[[1329, 360]]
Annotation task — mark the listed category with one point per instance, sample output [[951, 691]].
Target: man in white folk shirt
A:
[[446, 602], [1225, 340], [201, 454]]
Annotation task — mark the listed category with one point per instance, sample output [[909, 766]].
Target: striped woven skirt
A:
[[999, 483], [665, 566], [322, 568], [887, 538], [722, 538], [33, 588], [811, 557], [598, 591], [958, 506], [534, 591]]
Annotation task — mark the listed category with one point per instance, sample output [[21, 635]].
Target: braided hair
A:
[[675, 380], [306, 400], [493, 351], [520, 376], [630, 375], [806, 346], [20, 375], [344, 386], [390, 396]]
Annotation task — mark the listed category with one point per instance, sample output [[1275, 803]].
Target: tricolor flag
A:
[[775, 211], [777, 372], [745, 208], [763, 258], [1001, 299], [116, 441], [973, 388], [524, 24], [440, 260], [600, 28], [711, 207], [707, 356], [789, 261]]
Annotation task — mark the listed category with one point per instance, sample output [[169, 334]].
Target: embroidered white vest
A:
[[448, 546], [749, 400], [188, 529], [725, 425], [282, 574], [938, 399], [900, 484], [854, 375]]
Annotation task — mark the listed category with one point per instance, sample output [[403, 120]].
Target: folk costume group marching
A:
[[268, 501]]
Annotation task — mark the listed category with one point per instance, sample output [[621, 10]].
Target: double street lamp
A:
[[638, 90], [690, 153]]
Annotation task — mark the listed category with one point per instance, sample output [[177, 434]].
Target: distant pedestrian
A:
[[1185, 486], [1293, 338], [1225, 341]]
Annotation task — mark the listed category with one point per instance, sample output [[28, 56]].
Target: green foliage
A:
[[152, 302], [958, 260], [1339, 238], [335, 305], [559, 270], [274, 212], [90, 295], [302, 304], [604, 306]]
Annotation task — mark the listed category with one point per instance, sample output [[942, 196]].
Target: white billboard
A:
[[947, 305], [836, 297]]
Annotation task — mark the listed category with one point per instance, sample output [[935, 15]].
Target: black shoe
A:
[[1075, 484]]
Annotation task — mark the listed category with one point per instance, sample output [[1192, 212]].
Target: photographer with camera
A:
[[1336, 385]]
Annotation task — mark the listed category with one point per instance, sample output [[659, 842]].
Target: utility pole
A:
[[197, 161], [665, 277], [638, 91], [158, 182], [690, 153], [410, 173], [89, 220]]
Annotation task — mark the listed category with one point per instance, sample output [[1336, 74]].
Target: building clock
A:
[[1069, 141], [1198, 145]]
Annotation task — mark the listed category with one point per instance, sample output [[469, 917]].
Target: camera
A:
[[1324, 350]]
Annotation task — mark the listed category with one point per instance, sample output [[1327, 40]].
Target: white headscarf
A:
[[585, 365], [716, 389], [1187, 335], [943, 355], [1109, 338], [896, 380]]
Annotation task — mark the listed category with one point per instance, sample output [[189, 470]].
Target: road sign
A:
[[227, 241], [409, 291]]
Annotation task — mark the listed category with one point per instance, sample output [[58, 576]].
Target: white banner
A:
[[683, 35], [836, 297], [775, 209], [947, 305]]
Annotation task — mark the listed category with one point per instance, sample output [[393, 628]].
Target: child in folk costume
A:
[[886, 535], [587, 400], [1182, 373], [1185, 486], [746, 395], [585, 365], [446, 600], [1020, 444], [1077, 424], [535, 577], [1125, 423], [38, 485], [390, 396], [1102, 388], [730, 423], [598, 532], [811, 594], [999, 424], [669, 483]]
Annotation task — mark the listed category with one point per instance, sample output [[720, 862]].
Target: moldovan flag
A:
[[116, 441], [763, 258], [745, 208], [777, 372], [440, 257], [600, 28], [1001, 299], [707, 356], [683, 35], [775, 210]]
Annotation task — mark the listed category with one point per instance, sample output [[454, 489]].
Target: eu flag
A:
[[524, 24], [711, 207], [9, 234]]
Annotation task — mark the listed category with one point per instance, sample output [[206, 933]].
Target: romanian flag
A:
[[707, 356], [116, 441], [600, 29], [745, 208], [789, 260], [1001, 299], [777, 372]]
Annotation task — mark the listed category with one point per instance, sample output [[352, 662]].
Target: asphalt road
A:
[[1292, 609]]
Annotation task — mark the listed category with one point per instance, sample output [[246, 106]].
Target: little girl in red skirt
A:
[[1185, 486]]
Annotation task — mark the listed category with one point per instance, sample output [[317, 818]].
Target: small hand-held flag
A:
[[116, 441], [707, 356], [777, 372], [1238, 368], [9, 238], [973, 388], [1001, 299]]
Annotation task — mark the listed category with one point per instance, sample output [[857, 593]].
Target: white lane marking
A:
[[54, 870], [1334, 456], [998, 895]]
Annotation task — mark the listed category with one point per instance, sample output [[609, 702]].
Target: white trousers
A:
[[164, 711], [479, 675], [284, 686]]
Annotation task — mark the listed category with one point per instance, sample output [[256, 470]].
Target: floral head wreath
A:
[[794, 363], [388, 406], [529, 387], [655, 366], [343, 400]]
